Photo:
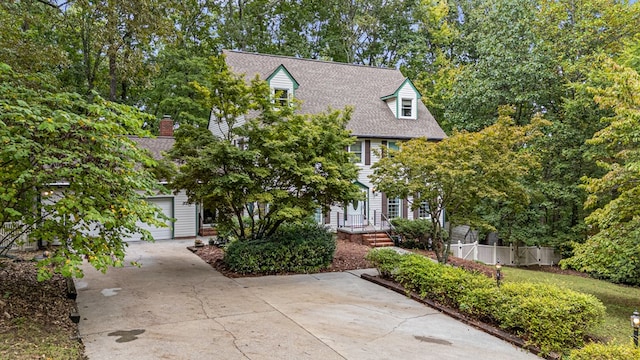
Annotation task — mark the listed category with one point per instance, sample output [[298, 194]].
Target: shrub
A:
[[605, 352], [385, 260], [547, 316], [293, 248], [413, 231], [553, 318], [444, 284]]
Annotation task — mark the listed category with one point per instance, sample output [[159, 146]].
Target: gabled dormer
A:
[[283, 85], [404, 101]]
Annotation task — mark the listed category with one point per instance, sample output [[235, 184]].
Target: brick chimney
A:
[[166, 126]]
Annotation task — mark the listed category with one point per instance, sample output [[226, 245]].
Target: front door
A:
[[357, 212]]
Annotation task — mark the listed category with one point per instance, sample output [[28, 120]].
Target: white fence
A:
[[9, 231], [508, 255]]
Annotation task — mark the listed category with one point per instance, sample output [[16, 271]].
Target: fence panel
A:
[[22, 243], [488, 254]]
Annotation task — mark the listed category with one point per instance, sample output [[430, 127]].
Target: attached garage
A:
[[166, 204]]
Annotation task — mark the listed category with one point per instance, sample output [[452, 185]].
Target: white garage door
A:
[[166, 204]]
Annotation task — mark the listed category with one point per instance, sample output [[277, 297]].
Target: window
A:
[[317, 215], [356, 149], [282, 97], [393, 208], [407, 107], [423, 211]]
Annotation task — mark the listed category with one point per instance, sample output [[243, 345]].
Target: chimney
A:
[[166, 126]]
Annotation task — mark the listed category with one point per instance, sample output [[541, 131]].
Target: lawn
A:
[[620, 300]]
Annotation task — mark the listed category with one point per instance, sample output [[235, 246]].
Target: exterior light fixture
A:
[[498, 273], [635, 324]]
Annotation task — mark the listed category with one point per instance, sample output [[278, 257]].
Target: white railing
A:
[[9, 231], [508, 255]]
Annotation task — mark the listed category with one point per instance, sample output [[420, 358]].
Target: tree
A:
[[612, 252], [455, 174], [171, 91], [269, 165], [70, 173], [29, 40]]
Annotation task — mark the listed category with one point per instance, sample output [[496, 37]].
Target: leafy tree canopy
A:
[[455, 174], [70, 174], [612, 251]]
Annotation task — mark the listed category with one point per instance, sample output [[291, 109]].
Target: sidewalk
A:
[[177, 307]]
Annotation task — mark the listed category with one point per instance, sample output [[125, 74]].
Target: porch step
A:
[[377, 240], [207, 231]]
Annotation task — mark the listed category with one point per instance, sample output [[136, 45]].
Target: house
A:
[[185, 215], [387, 110]]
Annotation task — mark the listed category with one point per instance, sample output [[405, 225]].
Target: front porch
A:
[[373, 232]]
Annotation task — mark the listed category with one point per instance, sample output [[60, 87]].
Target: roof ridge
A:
[[310, 60]]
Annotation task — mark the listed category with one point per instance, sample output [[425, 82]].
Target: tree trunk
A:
[[113, 74]]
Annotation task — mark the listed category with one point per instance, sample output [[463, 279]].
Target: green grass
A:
[[619, 300]]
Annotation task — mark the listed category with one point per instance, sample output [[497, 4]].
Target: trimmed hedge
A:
[[605, 352], [547, 316], [292, 249]]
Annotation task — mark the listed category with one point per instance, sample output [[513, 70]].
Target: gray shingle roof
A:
[[156, 145], [336, 85]]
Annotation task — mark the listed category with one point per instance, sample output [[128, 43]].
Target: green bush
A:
[[385, 260], [605, 352], [415, 231], [547, 316], [553, 318], [444, 284], [293, 248]]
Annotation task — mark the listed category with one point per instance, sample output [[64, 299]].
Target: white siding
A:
[[185, 215], [407, 92], [391, 103], [222, 129], [281, 81]]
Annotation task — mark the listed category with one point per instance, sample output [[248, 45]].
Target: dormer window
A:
[[283, 86], [407, 108], [282, 97], [404, 101]]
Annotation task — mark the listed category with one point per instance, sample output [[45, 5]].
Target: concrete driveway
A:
[[177, 307]]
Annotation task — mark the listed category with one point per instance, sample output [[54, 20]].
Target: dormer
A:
[[404, 101], [283, 85]]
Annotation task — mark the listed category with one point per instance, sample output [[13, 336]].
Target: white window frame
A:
[[396, 205], [281, 96], [423, 211], [358, 152], [403, 108]]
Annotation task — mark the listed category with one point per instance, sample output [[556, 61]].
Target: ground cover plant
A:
[[552, 318], [620, 300]]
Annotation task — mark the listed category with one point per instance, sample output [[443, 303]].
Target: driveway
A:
[[175, 306]]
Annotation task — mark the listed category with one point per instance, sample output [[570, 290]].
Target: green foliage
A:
[[69, 169], [385, 260], [550, 317], [553, 318], [611, 252], [172, 92], [286, 167], [444, 284], [595, 351], [460, 172], [293, 248], [417, 230]]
